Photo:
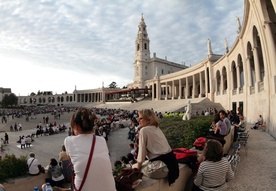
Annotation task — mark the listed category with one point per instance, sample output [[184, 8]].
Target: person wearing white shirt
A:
[[33, 164], [78, 149]]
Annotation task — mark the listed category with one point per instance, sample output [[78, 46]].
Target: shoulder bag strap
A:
[[87, 165], [31, 164]]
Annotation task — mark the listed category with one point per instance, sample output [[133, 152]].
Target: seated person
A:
[[234, 118], [219, 130], [55, 174], [214, 170], [33, 164], [28, 141], [259, 123], [239, 127], [260, 120], [220, 127]]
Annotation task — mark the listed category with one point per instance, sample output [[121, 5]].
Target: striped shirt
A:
[[214, 175]]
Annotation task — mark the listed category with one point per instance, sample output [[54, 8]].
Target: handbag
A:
[[182, 153], [87, 166], [126, 178], [200, 143], [155, 169], [41, 169]]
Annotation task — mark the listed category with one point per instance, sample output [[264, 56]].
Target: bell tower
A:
[[142, 55]]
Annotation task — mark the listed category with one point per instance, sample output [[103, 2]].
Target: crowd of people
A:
[[92, 161]]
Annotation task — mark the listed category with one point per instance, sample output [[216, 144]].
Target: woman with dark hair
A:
[[88, 175], [214, 171], [55, 174]]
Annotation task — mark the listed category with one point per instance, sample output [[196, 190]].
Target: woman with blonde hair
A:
[[154, 145]]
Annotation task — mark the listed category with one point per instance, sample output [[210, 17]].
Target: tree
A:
[[32, 94], [9, 100], [113, 85]]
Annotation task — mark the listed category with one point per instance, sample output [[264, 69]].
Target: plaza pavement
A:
[[256, 171], [47, 147]]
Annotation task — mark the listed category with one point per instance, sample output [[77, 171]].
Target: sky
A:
[[57, 45]]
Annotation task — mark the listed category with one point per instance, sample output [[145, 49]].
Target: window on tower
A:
[[137, 47], [146, 46]]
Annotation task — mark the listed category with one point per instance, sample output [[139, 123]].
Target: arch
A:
[[234, 75], [241, 71], [43, 100], [218, 79], [269, 17], [224, 78], [250, 57], [258, 46]]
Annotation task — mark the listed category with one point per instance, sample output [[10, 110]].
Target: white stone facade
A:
[[243, 78]]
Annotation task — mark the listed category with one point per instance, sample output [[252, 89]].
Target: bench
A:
[[228, 140], [149, 184]]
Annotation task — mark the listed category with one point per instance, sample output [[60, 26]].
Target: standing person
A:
[[154, 145], [223, 116], [6, 139], [78, 148], [33, 164], [214, 171]]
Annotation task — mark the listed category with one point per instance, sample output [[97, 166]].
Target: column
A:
[[247, 68], [238, 77], [200, 84], [194, 88], [179, 89], [166, 91], [187, 88], [206, 81], [173, 90], [257, 64]]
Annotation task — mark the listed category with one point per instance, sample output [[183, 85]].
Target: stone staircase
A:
[[198, 104], [201, 105]]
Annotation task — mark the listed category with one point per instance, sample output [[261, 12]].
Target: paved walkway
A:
[[256, 171]]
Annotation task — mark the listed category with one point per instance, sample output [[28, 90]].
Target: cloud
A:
[[98, 37]]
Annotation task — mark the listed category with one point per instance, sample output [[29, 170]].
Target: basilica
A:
[[243, 78]]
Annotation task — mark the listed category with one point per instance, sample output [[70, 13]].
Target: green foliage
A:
[[9, 100], [12, 167], [183, 133]]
